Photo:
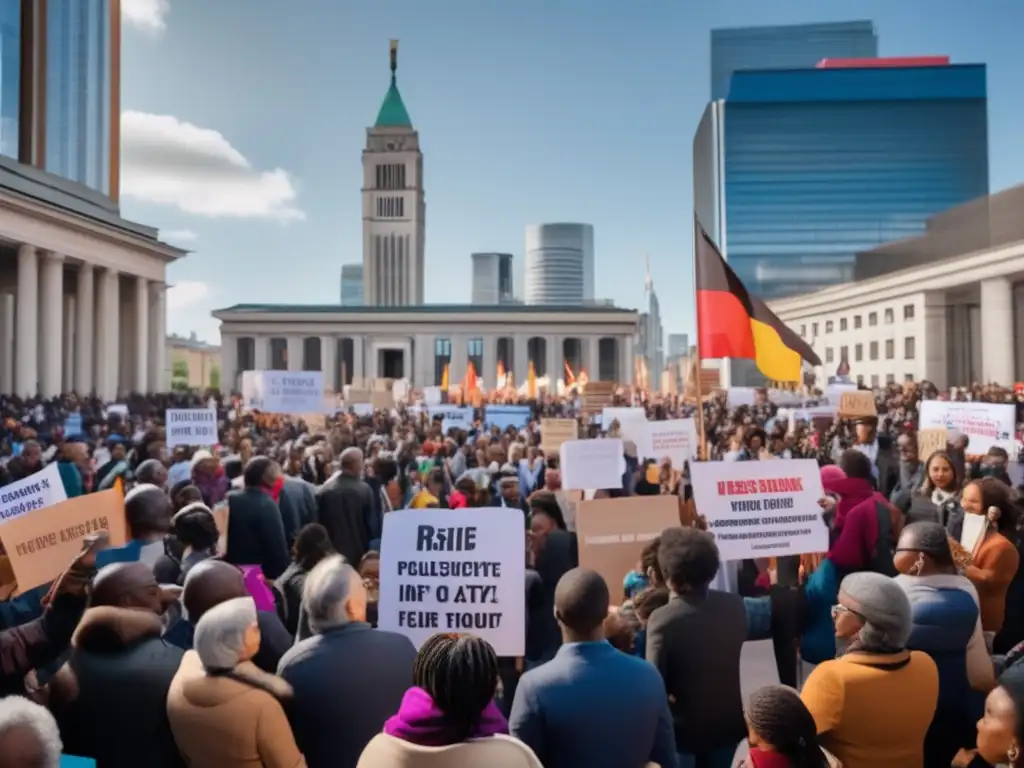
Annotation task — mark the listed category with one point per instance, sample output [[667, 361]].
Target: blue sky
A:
[[244, 121]]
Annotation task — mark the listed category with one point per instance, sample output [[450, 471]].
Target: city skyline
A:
[[593, 160]]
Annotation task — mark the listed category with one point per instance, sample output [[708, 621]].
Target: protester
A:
[[781, 732], [1001, 729], [29, 737], [311, 546], [224, 711], [255, 526], [995, 559], [345, 507], [347, 674], [195, 532], [576, 709], [938, 496]]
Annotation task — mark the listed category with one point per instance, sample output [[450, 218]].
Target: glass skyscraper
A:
[[797, 46], [799, 170], [10, 77]]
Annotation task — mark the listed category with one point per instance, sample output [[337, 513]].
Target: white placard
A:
[[455, 570], [985, 424], [973, 530], [453, 412], [191, 426], [297, 392], [761, 508], [42, 489], [432, 395], [457, 423], [738, 396], [117, 409], [362, 409], [676, 439], [594, 464]]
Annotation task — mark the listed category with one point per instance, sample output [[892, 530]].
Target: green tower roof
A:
[[393, 113]]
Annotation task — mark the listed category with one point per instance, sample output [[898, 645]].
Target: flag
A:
[[531, 382], [469, 383], [569, 378], [733, 323], [444, 378], [499, 380]]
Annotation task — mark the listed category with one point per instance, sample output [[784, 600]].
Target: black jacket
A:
[[256, 532], [110, 699], [345, 507], [37, 642], [298, 506]]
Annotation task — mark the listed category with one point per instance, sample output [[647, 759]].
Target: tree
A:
[[215, 377], [179, 375]]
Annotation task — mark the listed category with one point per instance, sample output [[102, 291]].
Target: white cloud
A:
[[178, 236], [147, 15], [170, 162], [186, 294]]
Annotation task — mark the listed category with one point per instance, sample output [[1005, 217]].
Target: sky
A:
[[244, 121]]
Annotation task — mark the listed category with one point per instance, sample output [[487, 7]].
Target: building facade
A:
[[394, 208], [418, 342], [678, 345], [795, 46], [352, 285], [492, 279], [193, 363], [559, 264], [799, 170]]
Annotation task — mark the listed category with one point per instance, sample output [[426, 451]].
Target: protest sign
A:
[[119, 410], [986, 424], [41, 489], [596, 395], [432, 395], [452, 413], [761, 508], [853, 405], [358, 396], [612, 532], [381, 399], [191, 426], [676, 439], [73, 425], [505, 416], [593, 464], [41, 545], [283, 391], [931, 440], [362, 409], [554, 432], [455, 570], [738, 396]]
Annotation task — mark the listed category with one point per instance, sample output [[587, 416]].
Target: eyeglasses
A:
[[838, 609]]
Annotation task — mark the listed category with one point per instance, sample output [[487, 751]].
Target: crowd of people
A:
[[238, 626]]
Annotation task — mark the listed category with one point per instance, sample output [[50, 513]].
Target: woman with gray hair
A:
[[224, 711], [873, 705], [28, 735]]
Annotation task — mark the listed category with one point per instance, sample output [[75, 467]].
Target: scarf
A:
[[420, 721], [761, 758], [940, 497]]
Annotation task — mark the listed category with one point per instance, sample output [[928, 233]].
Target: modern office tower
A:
[[352, 285], [60, 84], [559, 264], [678, 345], [394, 210], [492, 278], [796, 46]]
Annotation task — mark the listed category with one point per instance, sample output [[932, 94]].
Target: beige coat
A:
[[223, 723], [385, 751]]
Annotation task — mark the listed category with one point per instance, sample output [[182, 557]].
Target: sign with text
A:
[[191, 426], [761, 508], [451, 413], [676, 439], [505, 416], [41, 545], [593, 464], [985, 424], [596, 395], [931, 440], [612, 533], [41, 489], [853, 405], [455, 570], [554, 432], [284, 391]]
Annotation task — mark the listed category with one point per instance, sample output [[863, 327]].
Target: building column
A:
[[490, 359], [593, 358], [371, 356], [260, 348], [520, 358], [556, 360], [625, 350], [84, 325], [295, 349], [159, 380], [27, 323], [67, 376], [228, 364], [997, 363], [933, 362], [358, 358], [328, 362], [51, 325], [458, 363], [6, 342], [108, 341], [142, 340]]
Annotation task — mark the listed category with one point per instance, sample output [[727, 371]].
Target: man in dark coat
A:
[[348, 678], [298, 506], [110, 699], [255, 526], [345, 507]]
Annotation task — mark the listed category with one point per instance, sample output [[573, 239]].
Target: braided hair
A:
[[460, 672], [778, 716]]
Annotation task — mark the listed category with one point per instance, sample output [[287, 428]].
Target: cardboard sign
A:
[[853, 405], [612, 533], [455, 570], [554, 432], [931, 440], [357, 396], [381, 400], [42, 544], [596, 395]]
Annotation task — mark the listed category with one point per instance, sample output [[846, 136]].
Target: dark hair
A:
[[312, 544], [196, 528], [926, 485], [256, 471], [688, 558], [855, 464], [777, 715], [460, 672], [930, 537], [184, 487], [545, 503], [385, 469], [648, 601], [582, 600], [649, 561], [620, 628], [436, 476], [147, 511], [995, 493]]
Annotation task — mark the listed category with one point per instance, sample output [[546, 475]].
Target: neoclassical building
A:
[[417, 342]]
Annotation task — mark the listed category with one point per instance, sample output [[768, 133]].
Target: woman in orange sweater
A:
[[995, 558]]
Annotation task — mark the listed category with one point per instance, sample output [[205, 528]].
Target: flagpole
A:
[[702, 435]]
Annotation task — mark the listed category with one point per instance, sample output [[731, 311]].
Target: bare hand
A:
[[827, 503]]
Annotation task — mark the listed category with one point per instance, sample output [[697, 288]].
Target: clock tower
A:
[[394, 211]]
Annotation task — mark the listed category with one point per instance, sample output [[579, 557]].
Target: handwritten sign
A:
[[853, 405], [41, 489], [191, 426], [455, 570], [554, 432], [931, 440], [675, 439]]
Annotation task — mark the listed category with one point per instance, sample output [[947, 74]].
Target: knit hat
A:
[[884, 607], [830, 473], [779, 717]]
